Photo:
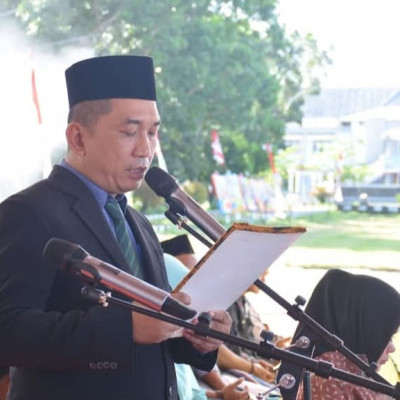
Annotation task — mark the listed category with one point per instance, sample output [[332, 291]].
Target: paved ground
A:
[[290, 282]]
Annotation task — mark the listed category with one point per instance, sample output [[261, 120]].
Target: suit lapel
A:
[[93, 218], [152, 256], [88, 210]]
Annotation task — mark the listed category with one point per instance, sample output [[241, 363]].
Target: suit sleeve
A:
[[32, 334], [182, 350]]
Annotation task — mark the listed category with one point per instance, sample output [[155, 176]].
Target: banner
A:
[[247, 193], [237, 193], [227, 191]]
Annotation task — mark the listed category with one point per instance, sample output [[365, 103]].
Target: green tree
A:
[[225, 65]]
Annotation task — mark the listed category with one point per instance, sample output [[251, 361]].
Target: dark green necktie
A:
[[115, 212]]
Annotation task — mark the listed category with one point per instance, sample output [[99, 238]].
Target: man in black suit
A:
[[61, 346]]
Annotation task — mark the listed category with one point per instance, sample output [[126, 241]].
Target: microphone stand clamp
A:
[[286, 381], [176, 213], [97, 295]]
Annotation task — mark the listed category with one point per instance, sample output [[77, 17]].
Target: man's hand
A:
[[220, 321], [264, 370], [147, 330], [230, 392]]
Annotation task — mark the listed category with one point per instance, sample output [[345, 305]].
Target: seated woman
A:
[[364, 312]]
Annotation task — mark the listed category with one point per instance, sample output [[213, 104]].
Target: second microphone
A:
[[72, 257]]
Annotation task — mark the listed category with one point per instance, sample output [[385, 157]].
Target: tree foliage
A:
[[224, 65]]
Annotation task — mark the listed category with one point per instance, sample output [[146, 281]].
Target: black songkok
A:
[[111, 77]]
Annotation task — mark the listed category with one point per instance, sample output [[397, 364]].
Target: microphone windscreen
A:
[[160, 182], [60, 252]]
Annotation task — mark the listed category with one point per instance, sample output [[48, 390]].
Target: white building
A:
[[368, 118]]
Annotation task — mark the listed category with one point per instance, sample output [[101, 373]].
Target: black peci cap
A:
[[111, 77]]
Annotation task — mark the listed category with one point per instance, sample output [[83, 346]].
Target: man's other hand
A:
[[220, 321]]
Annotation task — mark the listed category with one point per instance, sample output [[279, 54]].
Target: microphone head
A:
[[160, 182], [62, 252]]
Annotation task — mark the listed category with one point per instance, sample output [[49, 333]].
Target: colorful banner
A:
[[247, 193], [227, 192], [237, 193]]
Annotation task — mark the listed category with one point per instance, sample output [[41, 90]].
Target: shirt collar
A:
[[100, 194]]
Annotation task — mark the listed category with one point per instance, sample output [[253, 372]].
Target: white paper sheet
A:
[[227, 270]]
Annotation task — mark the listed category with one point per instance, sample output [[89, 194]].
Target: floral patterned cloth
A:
[[335, 389]]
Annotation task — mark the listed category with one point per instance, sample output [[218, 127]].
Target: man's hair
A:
[[87, 112]]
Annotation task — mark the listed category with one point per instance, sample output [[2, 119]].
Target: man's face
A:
[[119, 147]]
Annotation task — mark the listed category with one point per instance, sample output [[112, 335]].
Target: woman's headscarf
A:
[[361, 310]]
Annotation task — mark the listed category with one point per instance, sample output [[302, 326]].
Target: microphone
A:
[[165, 185], [73, 258]]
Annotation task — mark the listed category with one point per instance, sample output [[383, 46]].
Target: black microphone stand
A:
[[176, 214], [263, 348]]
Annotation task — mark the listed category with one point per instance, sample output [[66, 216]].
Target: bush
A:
[[321, 193], [197, 190], [354, 173], [146, 201]]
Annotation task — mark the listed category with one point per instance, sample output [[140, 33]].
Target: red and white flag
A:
[[216, 149], [160, 157], [35, 97], [47, 164], [268, 148]]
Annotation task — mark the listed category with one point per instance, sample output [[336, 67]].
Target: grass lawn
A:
[[339, 239], [347, 240]]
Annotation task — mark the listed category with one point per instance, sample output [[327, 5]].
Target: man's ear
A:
[[75, 138]]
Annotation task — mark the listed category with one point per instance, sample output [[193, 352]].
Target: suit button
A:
[[113, 365], [92, 366], [170, 391]]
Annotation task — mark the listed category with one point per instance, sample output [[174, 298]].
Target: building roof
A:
[[341, 102], [387, 112]]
